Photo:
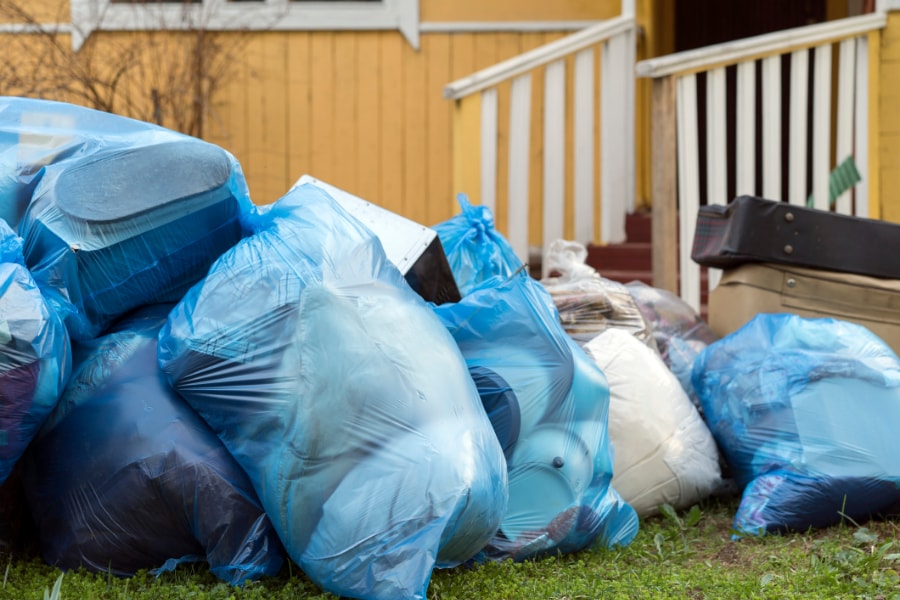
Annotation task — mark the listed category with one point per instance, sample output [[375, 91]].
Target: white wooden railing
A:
[[833, 130], [601, 188]]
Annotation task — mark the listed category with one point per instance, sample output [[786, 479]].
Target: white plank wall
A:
[[821, 126], [845, 107], [584, 147], [519, 152], [688, 186], [554, 151], [489, 149], [799, 115]]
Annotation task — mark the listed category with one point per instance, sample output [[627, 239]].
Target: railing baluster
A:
[[716, 148], [861, 141], [519, 154], [688, 187], [821, 133], [554, 151], [614, 129], [771, 116], [489, 148], [745, 170], [584, 146], [716, 138], [845, 100], [797, 186]]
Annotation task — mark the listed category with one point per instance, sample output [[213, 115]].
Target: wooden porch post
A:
[[664, 186]]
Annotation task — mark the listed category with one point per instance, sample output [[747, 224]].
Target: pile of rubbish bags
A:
[[189, 376]]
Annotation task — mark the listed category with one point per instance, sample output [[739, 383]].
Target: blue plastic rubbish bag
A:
[[805, 411], [344, 398], [115, 213], [549, 406], [475, 250], [35, 356], [126, 476]]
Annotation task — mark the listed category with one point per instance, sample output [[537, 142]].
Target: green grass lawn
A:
[[686, 555]]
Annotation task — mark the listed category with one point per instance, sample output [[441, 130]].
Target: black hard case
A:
[[752, 229]]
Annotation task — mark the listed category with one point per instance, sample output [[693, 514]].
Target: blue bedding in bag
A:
[[549, 405], [475, 250], [805, 412], [115, 213], [35, 356], [126, 476], [344, 398]]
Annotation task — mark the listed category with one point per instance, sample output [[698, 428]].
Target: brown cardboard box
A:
[[754, 288]]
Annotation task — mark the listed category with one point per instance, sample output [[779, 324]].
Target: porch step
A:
[[630, 256], [639, 227]]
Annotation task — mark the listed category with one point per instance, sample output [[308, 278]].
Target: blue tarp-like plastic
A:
[[806, 412], [35, 356], [115, 213], [475, 250], [344, 398], [126, 476], [549, 404]]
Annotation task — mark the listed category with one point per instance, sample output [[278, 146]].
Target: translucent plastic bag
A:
[[805, 411], [475, 250], [548, 404], [664, 452], [35, 356], [344, 398], [588, 303], [125, 475], [115, 213], [678, 330]]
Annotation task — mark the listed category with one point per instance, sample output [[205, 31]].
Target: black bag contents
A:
[[126, 476]]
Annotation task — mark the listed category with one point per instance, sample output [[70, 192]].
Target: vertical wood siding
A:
[[362, 111]]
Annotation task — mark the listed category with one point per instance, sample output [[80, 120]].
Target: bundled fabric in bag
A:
[[115, 213], [475, 250], [344, 398], [126, 476], [664, 452], [588, 303], [805, 412], [35, 356], [548, 404], [680, 333]]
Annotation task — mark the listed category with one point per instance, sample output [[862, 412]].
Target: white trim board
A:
[[266, 15], [502, 26], [32, 28]]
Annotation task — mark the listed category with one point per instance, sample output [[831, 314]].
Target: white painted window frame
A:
[[269, 15]]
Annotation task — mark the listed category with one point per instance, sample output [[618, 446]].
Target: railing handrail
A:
[[538, 57], [778, 42]]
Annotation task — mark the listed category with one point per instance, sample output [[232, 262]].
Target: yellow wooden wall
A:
[[361, 110]]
